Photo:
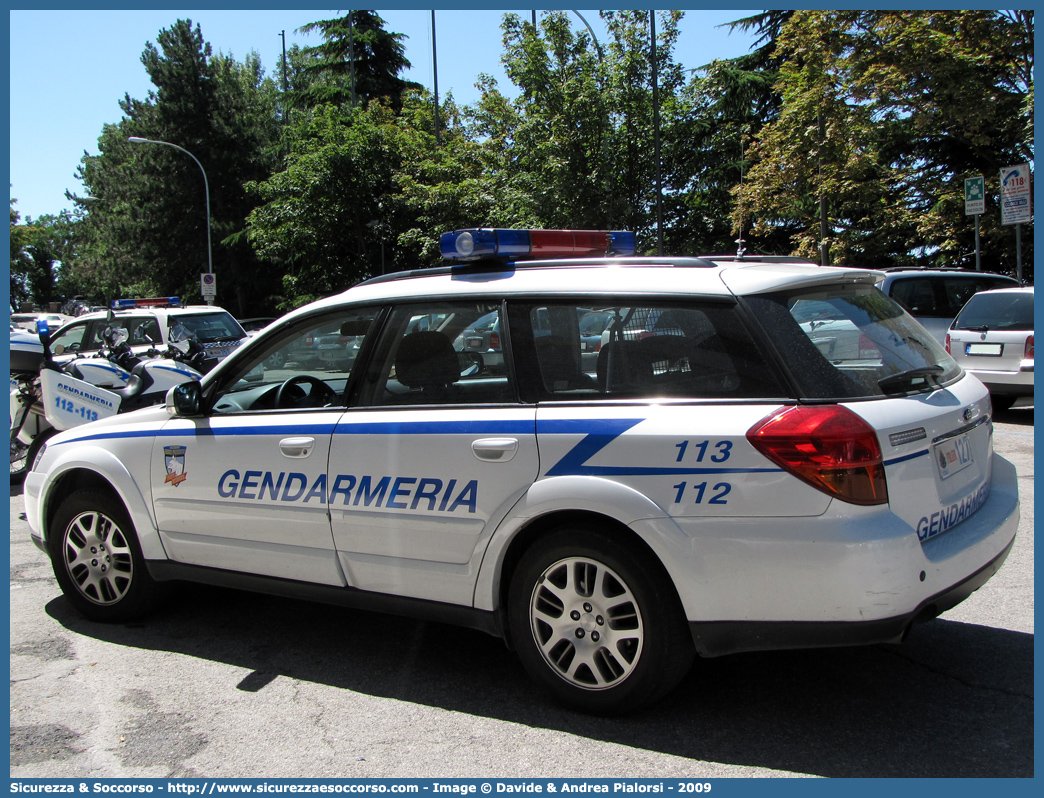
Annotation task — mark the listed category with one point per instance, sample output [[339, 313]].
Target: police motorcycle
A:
[[47, 397]]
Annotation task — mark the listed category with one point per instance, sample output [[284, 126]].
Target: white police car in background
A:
[[148, 322], [712, 482]]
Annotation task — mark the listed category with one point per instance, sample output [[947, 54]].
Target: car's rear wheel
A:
[[597, 621], [97, 559]]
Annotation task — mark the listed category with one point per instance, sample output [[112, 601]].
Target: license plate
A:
[[953, 455], [991, 350]]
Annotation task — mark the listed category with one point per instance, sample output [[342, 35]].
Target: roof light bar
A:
[[151, 302], [478, 243]]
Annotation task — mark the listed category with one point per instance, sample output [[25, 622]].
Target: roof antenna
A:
[[740, 249]]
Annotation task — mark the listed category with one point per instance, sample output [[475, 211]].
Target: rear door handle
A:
[[495, 450], [296, 447]]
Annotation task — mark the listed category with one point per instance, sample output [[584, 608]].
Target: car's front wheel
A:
[[597, 621], [97, 559]]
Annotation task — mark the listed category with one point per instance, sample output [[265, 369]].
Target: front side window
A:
[[141, 331], [70, 339], [638, 349], [851, 342], [307, 367]]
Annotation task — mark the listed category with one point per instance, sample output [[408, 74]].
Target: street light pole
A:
[[206, 189]]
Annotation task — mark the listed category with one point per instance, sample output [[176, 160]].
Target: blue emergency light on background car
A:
[[478, 243], [151, 302]]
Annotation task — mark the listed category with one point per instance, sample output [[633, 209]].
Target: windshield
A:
[[852, 342]]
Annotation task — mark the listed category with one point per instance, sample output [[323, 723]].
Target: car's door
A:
[[432, 456], [244, 488]]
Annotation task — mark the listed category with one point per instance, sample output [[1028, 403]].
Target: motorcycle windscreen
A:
[[69, 402]]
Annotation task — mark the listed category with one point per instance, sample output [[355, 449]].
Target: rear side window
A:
[[636, 349], [942, 296], [851, 342], [440, 353]]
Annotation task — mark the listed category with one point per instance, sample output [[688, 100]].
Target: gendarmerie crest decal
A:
[[174, 462]]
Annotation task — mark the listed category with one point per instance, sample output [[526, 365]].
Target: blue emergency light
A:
[[478, 243]]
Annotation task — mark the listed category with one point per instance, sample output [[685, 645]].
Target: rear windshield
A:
[[851, 342], [997, 311]]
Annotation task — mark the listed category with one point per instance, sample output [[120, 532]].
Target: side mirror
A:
[[185, 400]]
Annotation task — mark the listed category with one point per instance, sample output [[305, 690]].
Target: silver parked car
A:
[[992, 338], [934, 296]]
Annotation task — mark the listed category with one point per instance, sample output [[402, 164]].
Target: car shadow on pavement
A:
[[955, 700], [1021, 414]]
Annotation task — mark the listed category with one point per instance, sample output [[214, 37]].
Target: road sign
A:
[[208, 285], [974, 196], [1015, 194]]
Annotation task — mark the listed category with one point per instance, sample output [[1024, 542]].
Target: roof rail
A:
[[925, 269], [745, 258], [496, 265]]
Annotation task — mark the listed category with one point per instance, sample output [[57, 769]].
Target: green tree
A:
[[48, 248], [313, 216], [722, 109], [577, 143], [358, 61], [148, 229], [21, 235], [884, 114]]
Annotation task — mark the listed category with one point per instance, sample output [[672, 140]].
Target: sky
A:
[[69, 69]]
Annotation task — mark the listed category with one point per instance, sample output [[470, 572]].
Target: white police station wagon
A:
[[758, 453]]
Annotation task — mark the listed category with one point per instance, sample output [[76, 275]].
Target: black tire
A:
[[19, 460], [36, 446], [1001, 403], [97, 559], [597, 621]]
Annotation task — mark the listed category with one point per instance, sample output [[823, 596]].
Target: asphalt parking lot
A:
[[221, 684]]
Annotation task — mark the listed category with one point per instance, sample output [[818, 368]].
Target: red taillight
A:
[[1029, 349], [494, 341], [948, 344], [829, 447]]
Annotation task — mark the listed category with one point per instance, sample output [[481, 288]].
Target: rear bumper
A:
[[1007, 383], [717, 638], [850, 576]]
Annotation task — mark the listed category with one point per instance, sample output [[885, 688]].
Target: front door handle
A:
[[495, 450], [296, 447]]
